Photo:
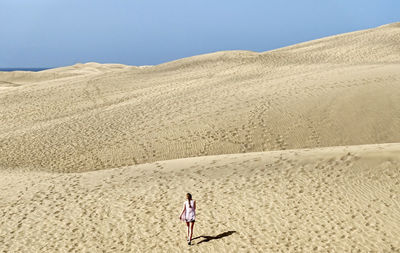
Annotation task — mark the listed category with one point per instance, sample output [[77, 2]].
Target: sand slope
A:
[[339, 199], [249, 129], [340, 90]]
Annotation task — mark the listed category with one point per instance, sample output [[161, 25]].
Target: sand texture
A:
[[339, 199], [291, 150], [341, 90]]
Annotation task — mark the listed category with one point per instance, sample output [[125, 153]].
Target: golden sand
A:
[[292, 150]]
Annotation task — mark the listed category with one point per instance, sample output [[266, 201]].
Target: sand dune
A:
[[28, 77], [291, 150], [340, 90], [338, 199]]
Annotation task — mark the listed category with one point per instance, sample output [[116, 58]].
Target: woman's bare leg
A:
[[188, 230], [191, 230]]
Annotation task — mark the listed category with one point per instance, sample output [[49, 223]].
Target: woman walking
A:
[[188, 215]]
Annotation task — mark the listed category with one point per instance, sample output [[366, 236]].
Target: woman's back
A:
[[190, 210], [191, 203]]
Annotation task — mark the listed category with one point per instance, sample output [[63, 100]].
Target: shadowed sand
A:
[[250, 130]]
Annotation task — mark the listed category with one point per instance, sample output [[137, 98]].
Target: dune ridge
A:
[[291, 150], [93, 116]]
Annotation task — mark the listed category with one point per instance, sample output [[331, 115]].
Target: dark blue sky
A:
[[52, 33]]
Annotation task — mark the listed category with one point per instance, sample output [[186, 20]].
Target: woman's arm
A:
[[194, 205], [183, 209]]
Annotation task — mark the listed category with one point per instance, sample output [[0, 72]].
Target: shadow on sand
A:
[[210, 238]]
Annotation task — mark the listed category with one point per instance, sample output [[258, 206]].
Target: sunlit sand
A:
[[301, 143]]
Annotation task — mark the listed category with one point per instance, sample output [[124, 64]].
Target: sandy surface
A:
[[340, 199], [341, 90], [291, 150]]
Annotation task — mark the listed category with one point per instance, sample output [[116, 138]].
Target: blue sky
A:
[[52, 33]]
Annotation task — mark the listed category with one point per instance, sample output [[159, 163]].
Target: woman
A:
[[188, 215]]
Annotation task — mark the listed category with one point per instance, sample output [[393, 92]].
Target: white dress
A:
[[190, 212]]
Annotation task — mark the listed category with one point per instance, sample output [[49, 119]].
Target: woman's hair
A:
[[189, 197]]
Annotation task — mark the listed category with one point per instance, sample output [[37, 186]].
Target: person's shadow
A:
[[210, 238]]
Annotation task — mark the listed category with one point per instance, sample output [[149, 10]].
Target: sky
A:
[[53, 33]]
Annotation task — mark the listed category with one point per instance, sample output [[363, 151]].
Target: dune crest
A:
[[291, 150], [339, 90]]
